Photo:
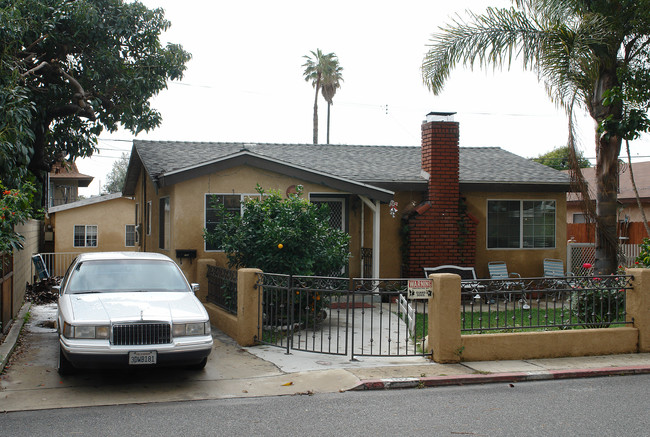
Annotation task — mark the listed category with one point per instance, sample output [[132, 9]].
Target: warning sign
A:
[[420, 289]]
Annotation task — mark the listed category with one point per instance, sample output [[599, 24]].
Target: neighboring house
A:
[[463, 206], [100, 223], [630, 226], [64, 181]]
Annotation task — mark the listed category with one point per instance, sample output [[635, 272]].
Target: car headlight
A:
[[86, 331], [187, 329]]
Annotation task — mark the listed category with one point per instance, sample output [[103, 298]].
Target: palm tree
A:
[[587, 53], [331, 81], [317, 66]]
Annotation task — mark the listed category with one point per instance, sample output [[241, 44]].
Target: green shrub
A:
[[644, 255], [276, 235], [599, 302]]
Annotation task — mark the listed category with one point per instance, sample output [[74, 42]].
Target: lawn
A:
[[512, 320]]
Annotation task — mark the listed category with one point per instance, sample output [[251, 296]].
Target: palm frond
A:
[[495, 39]]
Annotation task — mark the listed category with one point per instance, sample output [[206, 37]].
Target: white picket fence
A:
[[409, 313]]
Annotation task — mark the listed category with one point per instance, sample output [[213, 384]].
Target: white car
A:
[[119, 309]]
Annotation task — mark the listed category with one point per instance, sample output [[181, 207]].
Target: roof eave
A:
[[516, 187], [254, 160]]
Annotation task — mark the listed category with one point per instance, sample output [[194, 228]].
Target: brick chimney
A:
[[440, 232]]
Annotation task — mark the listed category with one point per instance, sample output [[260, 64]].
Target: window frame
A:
[[126, 233], [86, 235], [242, 198], [333, 197], [522, 235]]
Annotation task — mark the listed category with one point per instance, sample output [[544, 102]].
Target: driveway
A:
[[30, 380]]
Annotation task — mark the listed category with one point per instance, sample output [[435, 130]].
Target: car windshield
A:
[[125, 275]]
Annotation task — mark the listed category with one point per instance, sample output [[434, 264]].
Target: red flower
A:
[[586, 266], [6, 192]]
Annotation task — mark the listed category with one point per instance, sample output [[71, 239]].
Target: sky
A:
[[245, 81]]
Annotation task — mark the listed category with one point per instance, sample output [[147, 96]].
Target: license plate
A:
[[138, 358]]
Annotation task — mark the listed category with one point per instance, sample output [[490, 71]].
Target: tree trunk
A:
[[328, 122], [608, 147], [37, 164], [316, 113], [606, 204]]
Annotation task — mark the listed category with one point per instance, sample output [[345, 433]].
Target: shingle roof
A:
[[85, 202], [626, 193], [368, 164]]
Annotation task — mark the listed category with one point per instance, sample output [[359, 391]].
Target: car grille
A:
[[141, 334]]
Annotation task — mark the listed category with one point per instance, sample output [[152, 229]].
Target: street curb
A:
[[488, 378], [9, 344]]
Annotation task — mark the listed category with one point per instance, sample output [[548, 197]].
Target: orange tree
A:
[[276, 235]]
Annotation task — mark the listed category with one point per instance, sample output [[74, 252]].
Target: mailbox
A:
[[186, 254]]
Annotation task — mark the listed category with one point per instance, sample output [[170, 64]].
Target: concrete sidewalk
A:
[[31, 382]]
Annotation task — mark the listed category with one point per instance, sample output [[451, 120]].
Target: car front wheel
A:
[[200, 365], [64, 367]]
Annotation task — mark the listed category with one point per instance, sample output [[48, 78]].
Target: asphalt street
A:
[[581, 407]]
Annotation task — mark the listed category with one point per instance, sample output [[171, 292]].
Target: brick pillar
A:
[[439, 233]]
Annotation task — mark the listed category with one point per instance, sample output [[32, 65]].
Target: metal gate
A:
[[340, 316]]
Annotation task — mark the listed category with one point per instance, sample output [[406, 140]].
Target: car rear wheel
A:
[[64, 367]]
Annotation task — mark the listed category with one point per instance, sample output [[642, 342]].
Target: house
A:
[[99, 223], [630, 222], [404, 207], [64, 181]]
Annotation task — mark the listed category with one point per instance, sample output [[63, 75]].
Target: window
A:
[[337, 210], [85, 236], [579, 218], [517, 224], [232, 203], [164, 225], [129, 236]]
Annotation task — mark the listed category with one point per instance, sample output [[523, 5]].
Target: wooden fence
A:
[[630, 233], [6, 290]]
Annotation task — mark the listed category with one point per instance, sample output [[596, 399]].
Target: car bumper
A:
[[100, 353]]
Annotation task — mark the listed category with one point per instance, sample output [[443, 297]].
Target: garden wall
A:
[[449, 346]]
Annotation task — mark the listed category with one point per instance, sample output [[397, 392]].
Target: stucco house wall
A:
[[526, 262], [109, 213]]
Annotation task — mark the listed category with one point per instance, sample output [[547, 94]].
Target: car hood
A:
[[145, 306]]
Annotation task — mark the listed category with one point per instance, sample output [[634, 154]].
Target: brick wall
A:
[[440, 231]]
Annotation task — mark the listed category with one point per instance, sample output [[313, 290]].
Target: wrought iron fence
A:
[[362, 317], [571, 302], [222, 288]]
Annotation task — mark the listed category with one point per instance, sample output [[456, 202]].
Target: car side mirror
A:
[[57, 289], [195, 287]]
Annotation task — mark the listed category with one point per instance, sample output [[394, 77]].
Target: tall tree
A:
[[75, 68], [560, 158], [331, 81], [115, 179], [318, 65], [588, 53]]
